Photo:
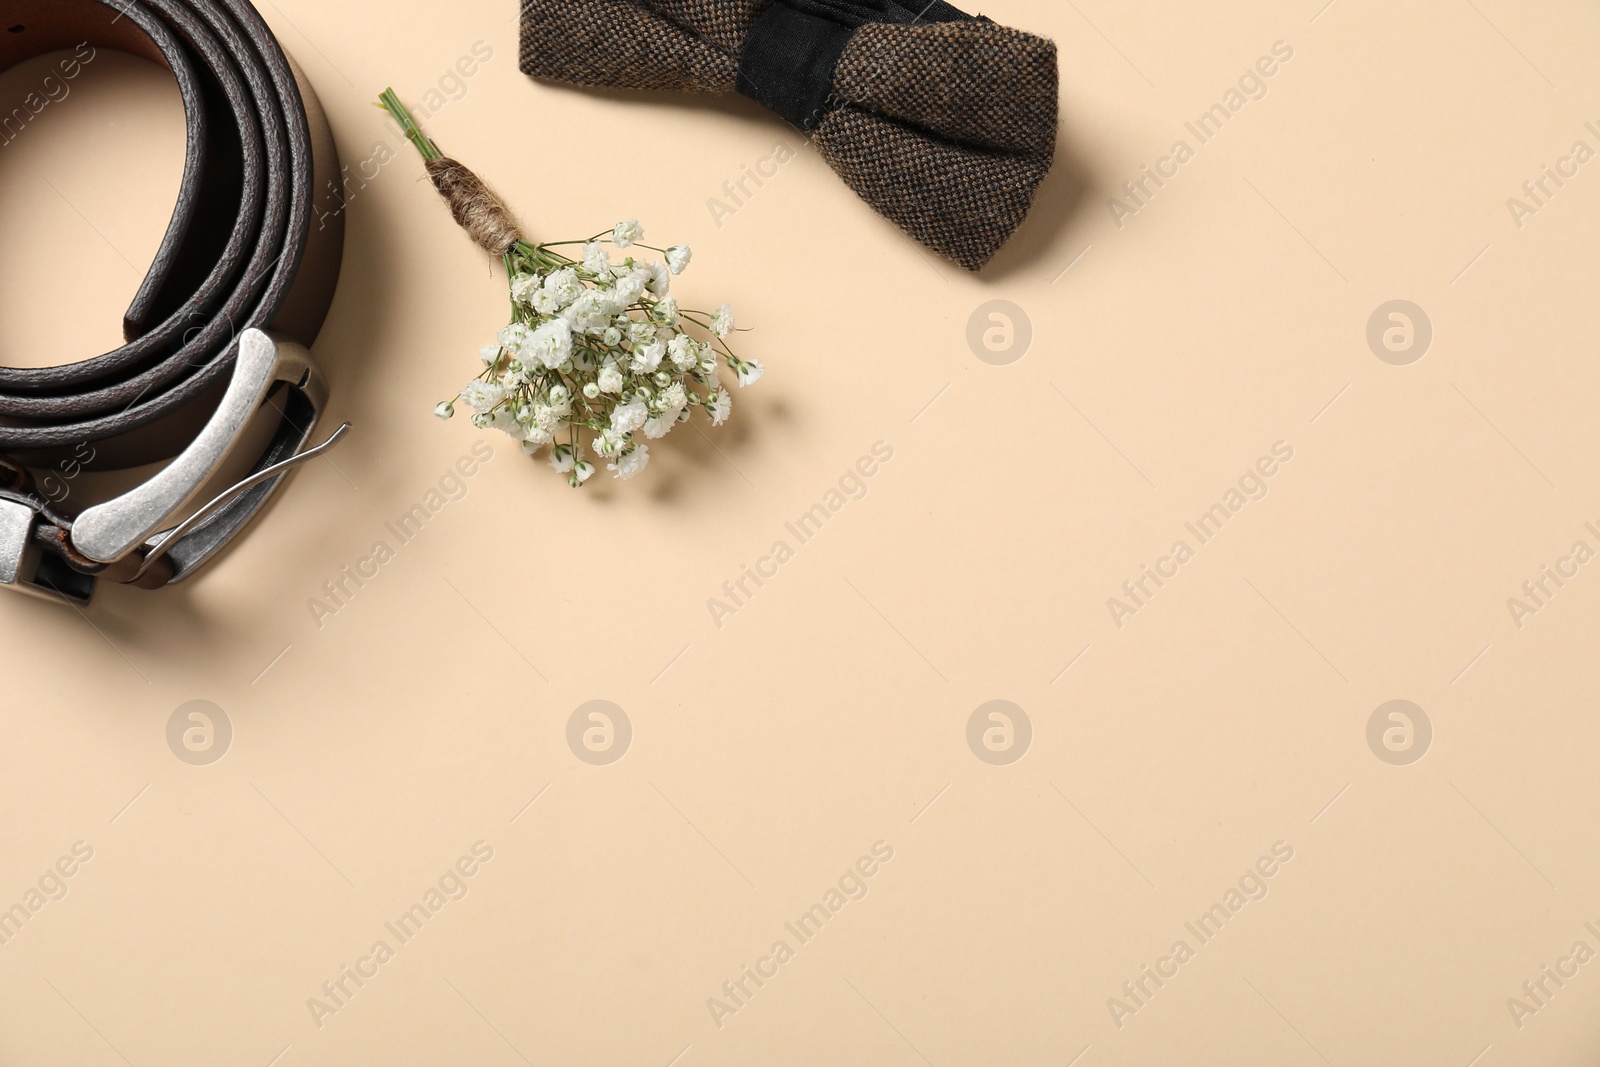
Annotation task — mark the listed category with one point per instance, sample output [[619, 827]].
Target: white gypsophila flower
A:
[[646, 358], [515, 376], [506, 422], [661, 425], [595, 260], [581, 472], [708, 363], [597, 308], [626, 418], [657, 278], [641, 333], [561, 459], [592, 389], [608, 442], [588, 312], [444, 410], [489, 353], [535, 438], [626, 232], [665, 311], [630, 462], [551, 343], [523, 286], [609, 380], [512, 338], [631, 286], [678, 257], [483, 396], [564, 285], [720, 406], [612, 337], [722, 321], [674, 397], [750, 372], [683, 352], [546, 303]]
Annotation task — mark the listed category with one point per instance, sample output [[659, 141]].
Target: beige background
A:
[[831, 711]]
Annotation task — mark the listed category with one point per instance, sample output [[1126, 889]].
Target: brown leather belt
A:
[[238, 289]]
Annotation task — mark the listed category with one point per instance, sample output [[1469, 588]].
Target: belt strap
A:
[[245, 260]]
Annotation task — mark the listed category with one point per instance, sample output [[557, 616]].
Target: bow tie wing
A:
[[976, 83], [668, 45], [946, 129]]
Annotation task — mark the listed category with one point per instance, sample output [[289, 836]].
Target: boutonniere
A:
[[597, 357]]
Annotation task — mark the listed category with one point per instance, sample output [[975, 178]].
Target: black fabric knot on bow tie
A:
[[794, 47]]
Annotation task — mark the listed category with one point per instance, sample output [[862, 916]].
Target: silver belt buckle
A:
[[142, 517], [20, 558]]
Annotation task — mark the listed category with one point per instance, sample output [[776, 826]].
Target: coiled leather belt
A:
[[238, 289]]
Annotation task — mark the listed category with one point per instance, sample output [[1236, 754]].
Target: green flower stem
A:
[[408, 125]]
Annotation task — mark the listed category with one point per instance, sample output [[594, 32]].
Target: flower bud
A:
[[444, 410]]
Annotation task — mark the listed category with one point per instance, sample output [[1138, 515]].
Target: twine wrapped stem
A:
[[476, 208]]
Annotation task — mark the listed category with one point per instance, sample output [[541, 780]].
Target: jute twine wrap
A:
[[475, 206]]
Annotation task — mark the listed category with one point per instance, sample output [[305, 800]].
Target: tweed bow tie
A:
[[943, 122]]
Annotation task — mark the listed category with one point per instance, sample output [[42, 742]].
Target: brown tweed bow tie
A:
[[943, 122]]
